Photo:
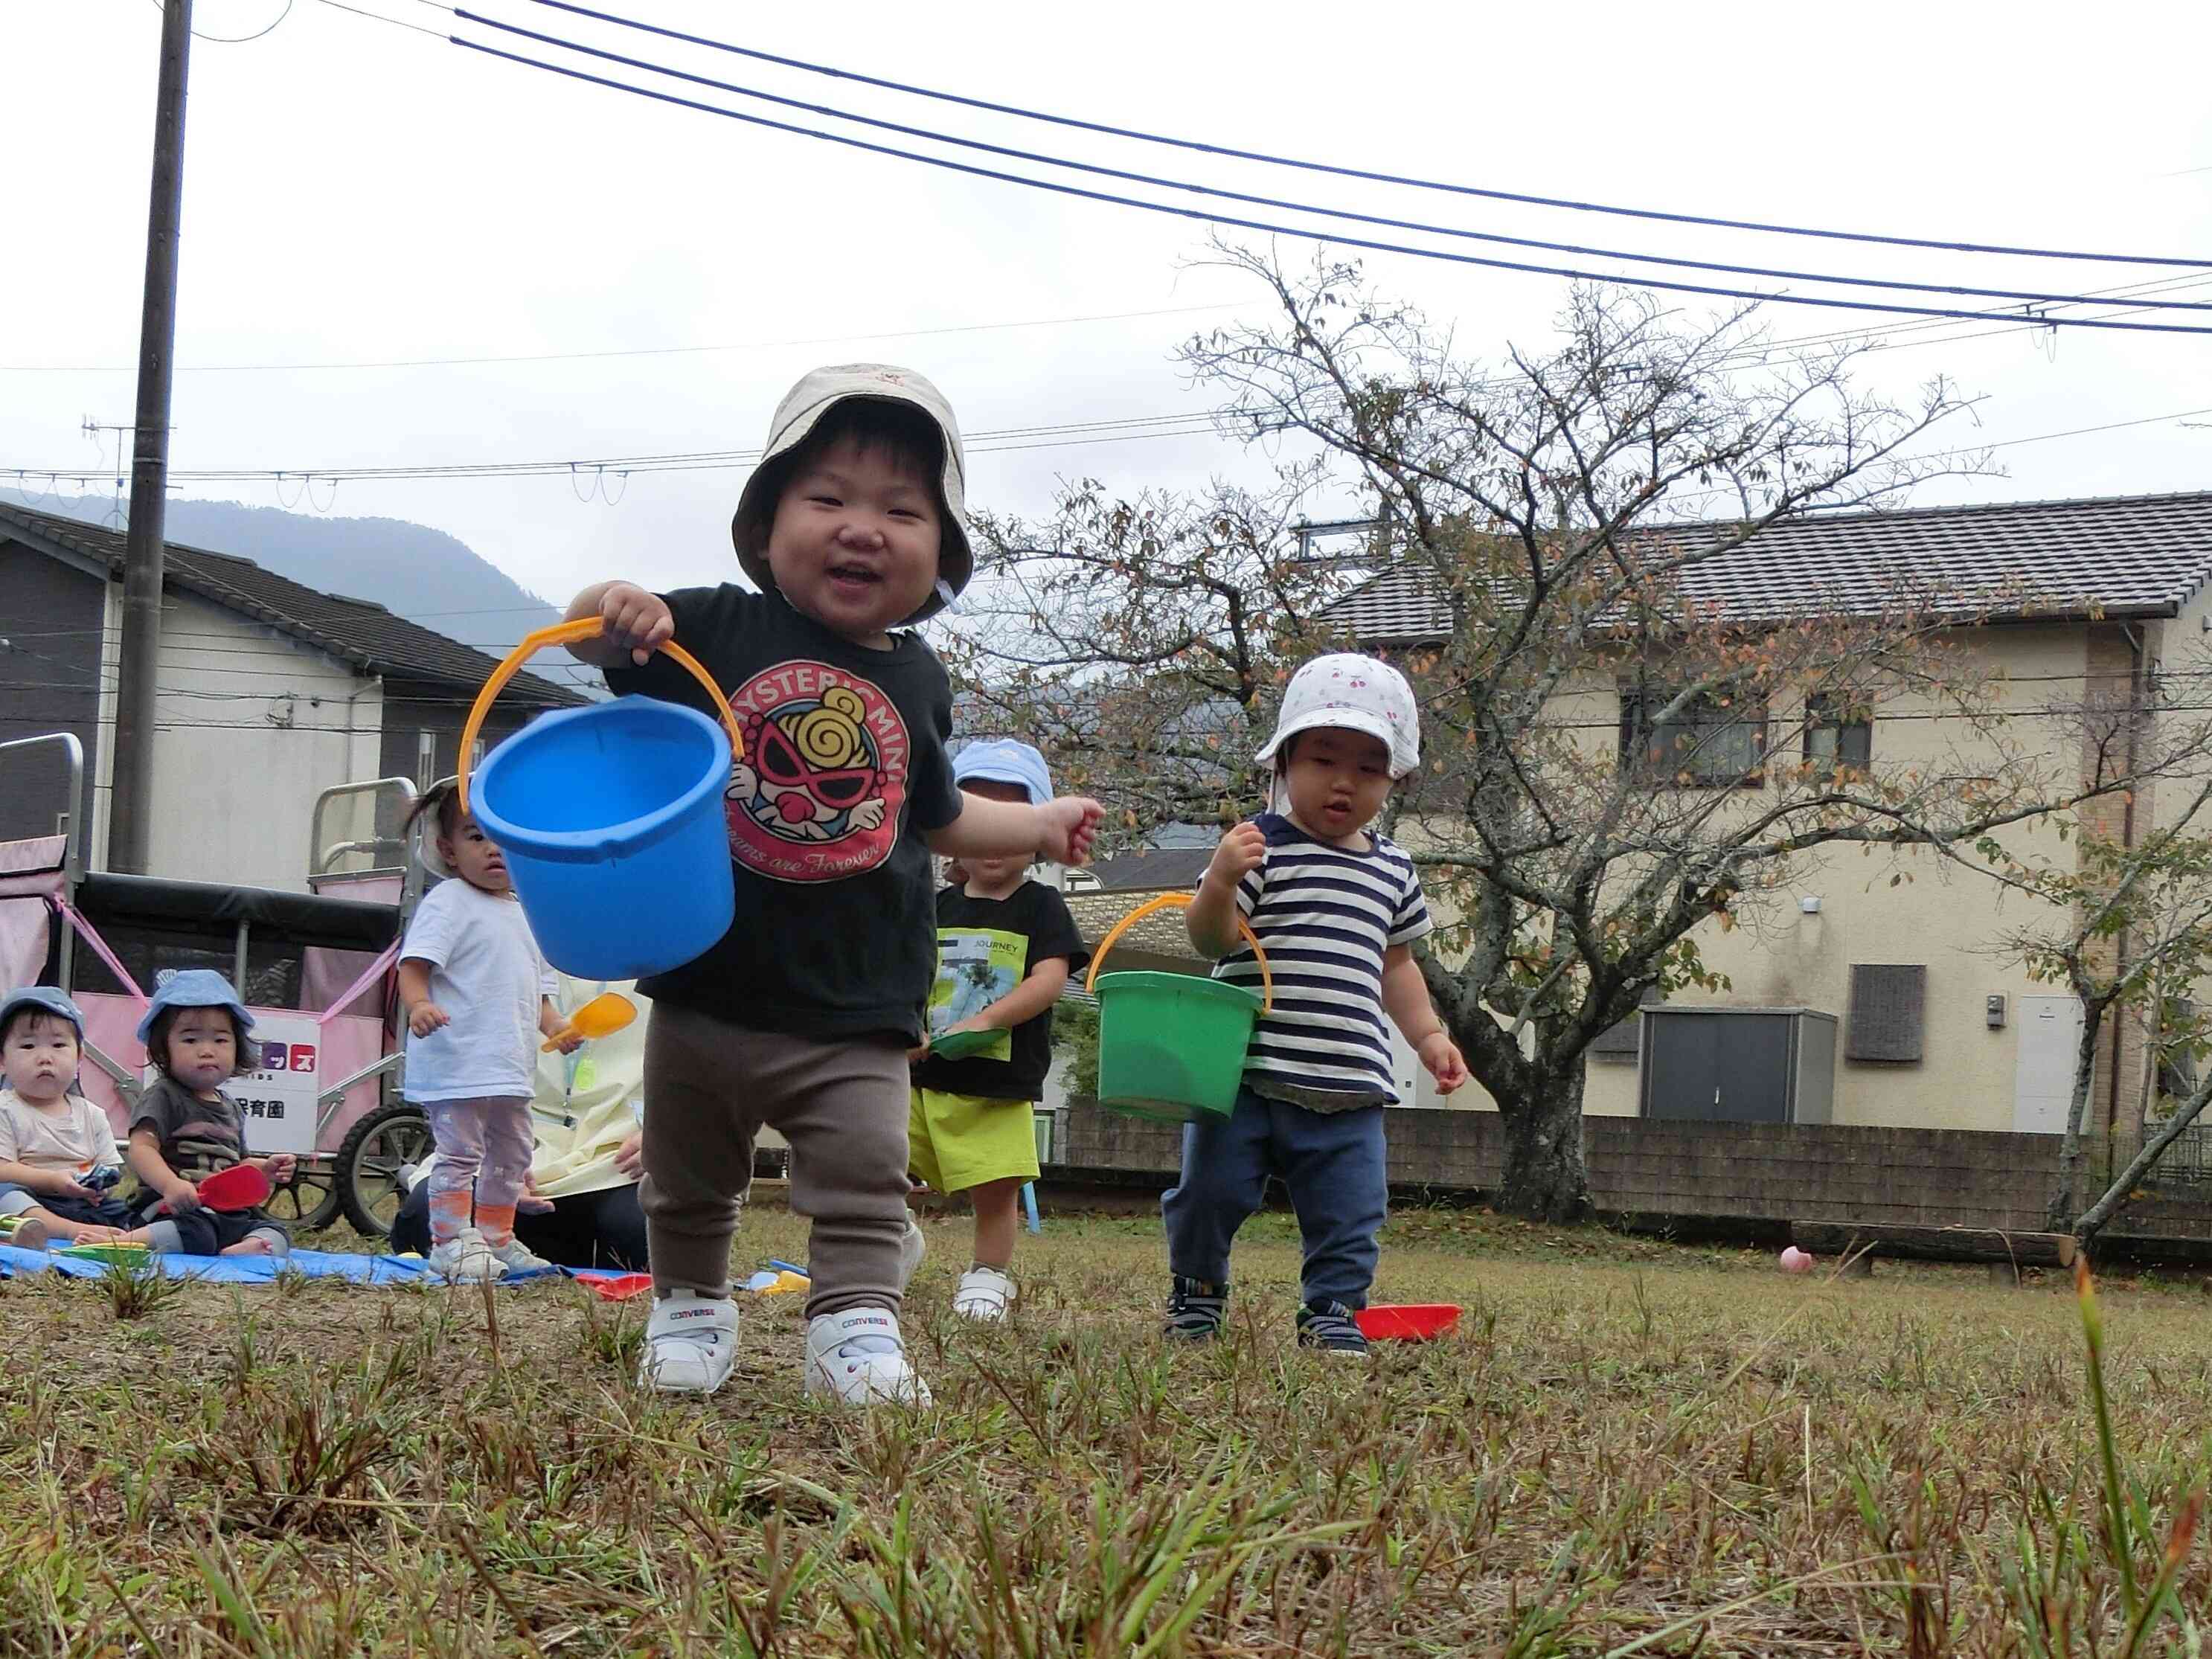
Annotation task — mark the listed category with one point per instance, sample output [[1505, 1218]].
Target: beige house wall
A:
[[1916, 907]]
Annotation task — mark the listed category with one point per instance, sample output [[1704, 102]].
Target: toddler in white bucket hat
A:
[[1336, 908], [800, 1018]]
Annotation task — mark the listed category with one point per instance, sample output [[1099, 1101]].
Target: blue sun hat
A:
[[52, 999], [1005, 760], [197, 988]]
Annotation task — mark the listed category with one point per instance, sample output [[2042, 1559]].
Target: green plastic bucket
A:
[[1171, 1046]]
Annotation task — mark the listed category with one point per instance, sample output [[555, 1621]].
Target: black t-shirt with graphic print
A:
[[984, 948], [844, 772]]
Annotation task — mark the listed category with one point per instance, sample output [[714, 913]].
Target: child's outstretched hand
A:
[[428, 1016], [277, 1166], [554, 1027], [1440, 1056], [1069, 825], [1242, 850], [634, 620]]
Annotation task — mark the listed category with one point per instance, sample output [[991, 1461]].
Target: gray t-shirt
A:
[[197, 1136]]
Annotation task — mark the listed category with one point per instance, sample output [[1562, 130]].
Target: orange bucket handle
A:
[[583, 628], [1180, 900]]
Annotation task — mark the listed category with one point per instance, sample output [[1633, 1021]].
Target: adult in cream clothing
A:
[[581, 1208]]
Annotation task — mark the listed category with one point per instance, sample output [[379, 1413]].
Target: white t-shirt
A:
[[77, 1139], [487, 974]]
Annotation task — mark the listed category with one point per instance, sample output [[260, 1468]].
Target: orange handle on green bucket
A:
[[583, 628], [1180, 900]]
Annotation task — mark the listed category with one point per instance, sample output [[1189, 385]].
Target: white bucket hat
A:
[[801, 410], [1354, 693]]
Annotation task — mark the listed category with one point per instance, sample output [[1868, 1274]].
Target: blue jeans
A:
[[1332, 1162]]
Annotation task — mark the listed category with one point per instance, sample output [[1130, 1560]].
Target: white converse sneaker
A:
[[984, 1293], [518, 1257], [465, 1259], [912, 1248], [690, 1343], [857, 1357]]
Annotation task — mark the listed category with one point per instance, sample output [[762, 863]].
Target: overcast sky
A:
[[356, 191]]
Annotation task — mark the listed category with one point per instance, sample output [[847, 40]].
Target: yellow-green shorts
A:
[[958, 1141]]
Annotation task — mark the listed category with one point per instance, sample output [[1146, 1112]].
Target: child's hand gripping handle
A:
[[560, 634], [1181, 901]]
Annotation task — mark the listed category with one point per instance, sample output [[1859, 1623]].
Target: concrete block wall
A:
[[1709, 1172]]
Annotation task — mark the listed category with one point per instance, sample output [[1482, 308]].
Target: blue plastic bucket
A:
[[610, 818]]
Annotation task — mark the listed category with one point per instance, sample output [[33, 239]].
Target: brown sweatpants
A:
[[709, 1087]]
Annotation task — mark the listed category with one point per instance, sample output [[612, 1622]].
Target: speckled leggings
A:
[[484, 1149]]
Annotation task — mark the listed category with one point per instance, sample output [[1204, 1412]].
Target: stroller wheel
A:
[[369, 1159]]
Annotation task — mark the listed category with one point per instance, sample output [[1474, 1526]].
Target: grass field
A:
[[1624, 1448]]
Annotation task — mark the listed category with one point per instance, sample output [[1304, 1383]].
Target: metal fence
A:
[[2186, 1165]]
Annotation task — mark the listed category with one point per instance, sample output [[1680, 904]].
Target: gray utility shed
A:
[[1739, 1065]]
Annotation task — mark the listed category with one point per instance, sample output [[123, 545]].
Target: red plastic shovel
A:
[[242, 1187]]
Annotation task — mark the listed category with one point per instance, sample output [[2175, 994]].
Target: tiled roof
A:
[[1161, 934], [357, 631], [2116, 557], [1153, 867]]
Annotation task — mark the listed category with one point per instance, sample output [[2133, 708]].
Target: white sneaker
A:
[[690, 1343], [518, 1257], [859, 1356], [912, 1248], [984, 1293], [465, 1259]]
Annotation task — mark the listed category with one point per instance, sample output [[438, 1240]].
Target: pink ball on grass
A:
[[1795, 1261]]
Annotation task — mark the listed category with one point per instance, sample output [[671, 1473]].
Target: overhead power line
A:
[[1347, 215], [1487, 192], [1161, 426], [1195, 423], [625, 351], [378, 17], [1326, 236]]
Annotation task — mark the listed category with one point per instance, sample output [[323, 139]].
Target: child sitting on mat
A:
[[184, 1128], [477, 996], [1005, 946], [59, 1160], [1336, 909]]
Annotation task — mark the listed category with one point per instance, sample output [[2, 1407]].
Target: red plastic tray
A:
[[1407, 1322]]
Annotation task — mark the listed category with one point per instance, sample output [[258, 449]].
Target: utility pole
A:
[[130, 803]]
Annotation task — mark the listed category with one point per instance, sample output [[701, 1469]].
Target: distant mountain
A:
[[413, 571]]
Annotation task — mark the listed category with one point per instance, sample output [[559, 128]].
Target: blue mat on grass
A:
[[263, 1270]]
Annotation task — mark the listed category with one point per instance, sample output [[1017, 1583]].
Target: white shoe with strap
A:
[[518, 1257], [857, 1357], [690, 1343], [985, 1293], [912, 1247], [465, 1259]]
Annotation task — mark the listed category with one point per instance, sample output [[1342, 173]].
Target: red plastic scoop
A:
[[1407, 1322], [242, 1187]]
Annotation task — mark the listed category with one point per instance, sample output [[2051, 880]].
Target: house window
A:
[[1837, 734], [1707, 740]]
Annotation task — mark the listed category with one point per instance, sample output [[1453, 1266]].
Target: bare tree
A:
[[2133, 921], [1608, 727]]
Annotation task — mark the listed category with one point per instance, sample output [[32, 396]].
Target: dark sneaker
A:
[[1330, 1327], [1195, 1310]]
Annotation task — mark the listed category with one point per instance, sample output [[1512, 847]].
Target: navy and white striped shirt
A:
[[1325, 915]]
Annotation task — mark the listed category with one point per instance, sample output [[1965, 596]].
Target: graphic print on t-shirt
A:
[[817, 793], [976, 966]]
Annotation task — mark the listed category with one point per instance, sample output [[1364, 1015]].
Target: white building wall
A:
[[250, 726]]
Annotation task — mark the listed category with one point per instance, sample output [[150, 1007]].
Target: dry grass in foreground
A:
[[1624, 1448]]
